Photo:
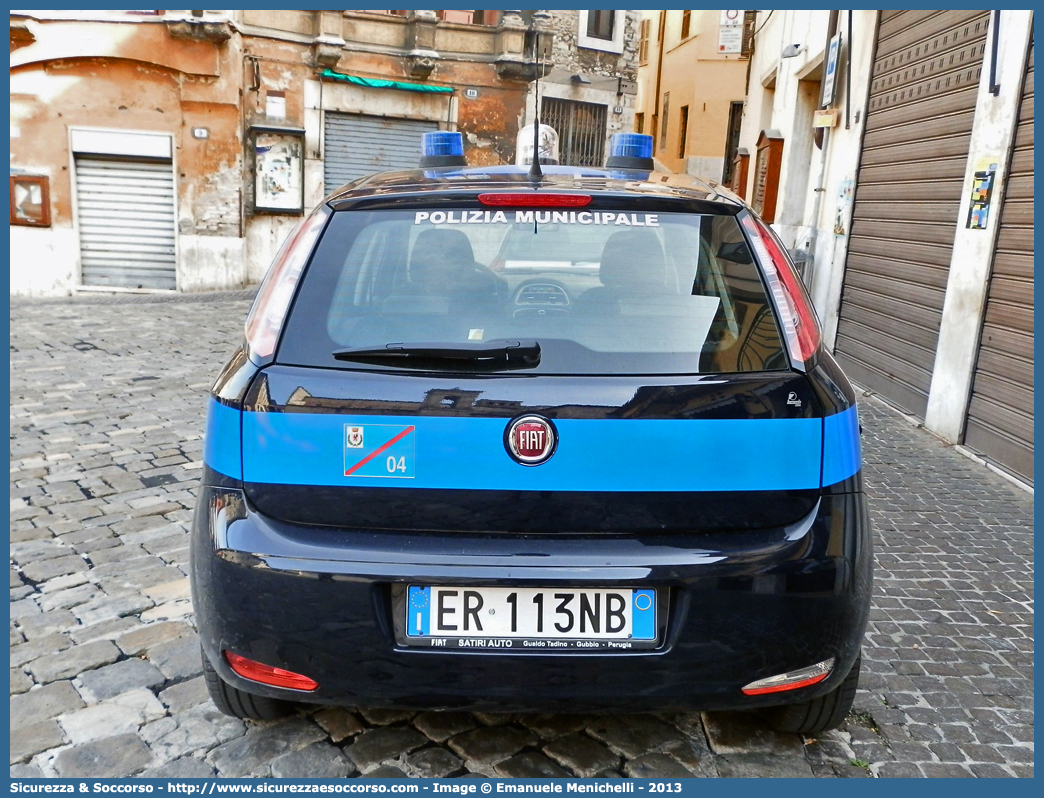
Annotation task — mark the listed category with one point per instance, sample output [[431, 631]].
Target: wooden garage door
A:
[[1000, 414], [919, 120]]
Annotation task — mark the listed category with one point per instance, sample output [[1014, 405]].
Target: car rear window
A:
[[602, 292]]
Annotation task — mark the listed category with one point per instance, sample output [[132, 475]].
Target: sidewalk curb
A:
[[92, 298]]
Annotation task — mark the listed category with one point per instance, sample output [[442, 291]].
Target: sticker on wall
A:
[[981, 197], [845, 193]]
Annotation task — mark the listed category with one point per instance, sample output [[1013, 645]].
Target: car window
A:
[[601, 291]]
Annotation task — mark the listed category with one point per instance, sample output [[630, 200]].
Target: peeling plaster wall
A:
[[263, 238], [211, 263], [108, 71], [43, 261], [135, 77]]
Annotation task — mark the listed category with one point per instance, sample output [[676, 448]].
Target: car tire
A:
[[819, 714], [238, 703]]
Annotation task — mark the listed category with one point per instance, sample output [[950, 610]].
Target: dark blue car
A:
[[511, 441]]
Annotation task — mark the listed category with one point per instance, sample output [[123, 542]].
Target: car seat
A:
[[632, 265], [442, 265]]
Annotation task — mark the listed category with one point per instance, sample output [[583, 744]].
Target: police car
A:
[[544, 438]]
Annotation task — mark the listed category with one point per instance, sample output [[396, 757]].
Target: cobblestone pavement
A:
[[107, 405]]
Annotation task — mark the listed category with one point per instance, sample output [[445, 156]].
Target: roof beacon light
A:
[[630, 151], [442, 148], [548, 146]]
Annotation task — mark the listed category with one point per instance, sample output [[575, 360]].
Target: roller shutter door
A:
[[915, 149], [357, 145], [125, 214], [1000, 414]]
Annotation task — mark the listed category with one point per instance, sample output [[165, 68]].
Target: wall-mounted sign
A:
[[471, 94], [30, 201], [731, 19], [981, 197], [278, 169], [275, 105], [825, 118], [730, 40], [830, 73]]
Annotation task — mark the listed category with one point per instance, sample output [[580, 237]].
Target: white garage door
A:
[[358, 145], [125, 212]]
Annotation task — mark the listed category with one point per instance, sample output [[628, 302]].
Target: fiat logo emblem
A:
[[531, 440]]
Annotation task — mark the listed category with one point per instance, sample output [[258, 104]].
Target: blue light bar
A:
[[631, 145], [442, 142], [442, 148], [630, 151]]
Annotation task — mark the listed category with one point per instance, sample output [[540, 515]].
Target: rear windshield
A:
[[601, 292]]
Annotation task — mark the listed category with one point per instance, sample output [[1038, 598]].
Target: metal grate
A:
[[581, 130], [125, 214], [358, 145]]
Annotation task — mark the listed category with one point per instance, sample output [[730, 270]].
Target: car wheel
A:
[[826, 712], [239, 704]]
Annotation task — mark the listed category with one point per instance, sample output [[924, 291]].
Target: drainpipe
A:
[[661, 32], [819, 190]]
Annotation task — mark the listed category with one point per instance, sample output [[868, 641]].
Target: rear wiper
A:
[[498, 353]]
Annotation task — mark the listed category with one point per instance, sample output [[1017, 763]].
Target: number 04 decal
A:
[[379, 450]]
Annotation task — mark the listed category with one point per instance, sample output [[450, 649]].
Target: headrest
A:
[[440, 257], [439, 249], [633, 260]]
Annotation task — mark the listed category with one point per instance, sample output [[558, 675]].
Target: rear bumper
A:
[[742, 606]]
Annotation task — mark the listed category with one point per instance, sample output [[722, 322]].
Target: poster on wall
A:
[[279, 171]]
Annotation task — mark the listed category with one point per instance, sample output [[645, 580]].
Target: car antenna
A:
[[535, 173]]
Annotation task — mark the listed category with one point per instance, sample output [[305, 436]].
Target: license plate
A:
[[530, 618]]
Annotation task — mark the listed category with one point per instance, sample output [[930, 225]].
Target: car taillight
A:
[[277, 289], [535, 200], [267, 674], [800, 323]]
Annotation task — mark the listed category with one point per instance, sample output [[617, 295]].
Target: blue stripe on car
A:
[[593, 455], [221, 444], [841, 456]]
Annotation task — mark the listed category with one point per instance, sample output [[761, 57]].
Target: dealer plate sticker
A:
[[380, 450], [531, 618]]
